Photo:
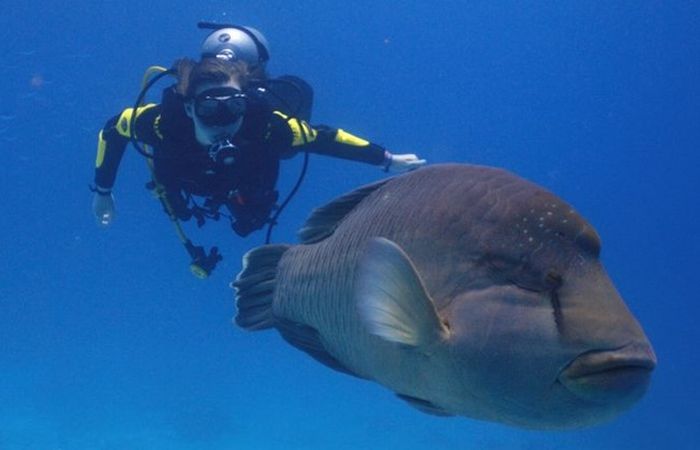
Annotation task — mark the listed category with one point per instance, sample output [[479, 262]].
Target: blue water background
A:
[[107, 341]]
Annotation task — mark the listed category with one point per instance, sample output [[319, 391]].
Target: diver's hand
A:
[[103, 207], [402, 163]]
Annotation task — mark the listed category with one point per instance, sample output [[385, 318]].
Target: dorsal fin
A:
[[324, 219]]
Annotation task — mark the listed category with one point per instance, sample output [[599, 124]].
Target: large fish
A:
[[464, 289]]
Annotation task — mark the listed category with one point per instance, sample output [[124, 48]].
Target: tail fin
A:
[[255, 287]]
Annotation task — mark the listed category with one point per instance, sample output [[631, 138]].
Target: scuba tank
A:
[[288, 94]]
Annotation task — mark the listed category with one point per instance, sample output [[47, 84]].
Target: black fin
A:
[[324, 219], [255, 286], [306, 338], [424, 406]]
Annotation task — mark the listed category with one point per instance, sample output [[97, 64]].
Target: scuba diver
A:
[[217, 139]]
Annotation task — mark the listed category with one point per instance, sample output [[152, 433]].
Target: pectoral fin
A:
[[392, 300]]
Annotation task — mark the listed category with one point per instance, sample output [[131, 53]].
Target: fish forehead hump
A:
[[465, 225], [475, 208]]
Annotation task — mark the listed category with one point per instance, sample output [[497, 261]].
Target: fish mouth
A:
[[610, 376]]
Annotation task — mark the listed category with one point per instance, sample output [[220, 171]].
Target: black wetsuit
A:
[[246, 187]]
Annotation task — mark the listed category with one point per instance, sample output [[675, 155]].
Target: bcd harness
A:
[[202, 263]]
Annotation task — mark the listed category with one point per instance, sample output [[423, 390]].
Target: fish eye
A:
[[553, 279], [525, 274], [534, 280]]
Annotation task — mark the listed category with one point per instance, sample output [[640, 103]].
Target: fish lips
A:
[[610, 376]]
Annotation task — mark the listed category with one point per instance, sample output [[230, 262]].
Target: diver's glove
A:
[[103, 206], [401, 163]]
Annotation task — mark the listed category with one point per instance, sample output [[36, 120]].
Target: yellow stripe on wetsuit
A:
[[344, 137], [124, 122], [302, 132], [101, 146], [122, 127]]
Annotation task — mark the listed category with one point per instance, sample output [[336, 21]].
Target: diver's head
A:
[[235, 43], [214, 99]]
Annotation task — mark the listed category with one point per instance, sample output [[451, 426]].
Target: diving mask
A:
[[220, 106]]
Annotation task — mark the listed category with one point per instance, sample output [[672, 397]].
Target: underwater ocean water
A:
[[108, 342]]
